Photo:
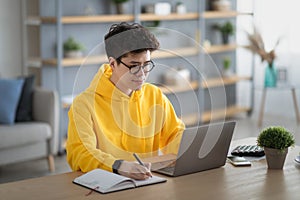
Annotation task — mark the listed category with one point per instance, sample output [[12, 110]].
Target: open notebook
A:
[[105, 182]]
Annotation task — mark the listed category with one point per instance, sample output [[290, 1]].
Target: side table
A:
[[283, 87]]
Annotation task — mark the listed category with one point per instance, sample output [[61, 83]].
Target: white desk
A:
[[228, 182]]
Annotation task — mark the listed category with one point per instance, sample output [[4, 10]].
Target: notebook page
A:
[[149, 181], [104, 181]]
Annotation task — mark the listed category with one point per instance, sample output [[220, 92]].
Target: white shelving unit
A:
[[58, 21]]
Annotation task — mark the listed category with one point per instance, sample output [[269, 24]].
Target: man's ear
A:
[[112, 62]]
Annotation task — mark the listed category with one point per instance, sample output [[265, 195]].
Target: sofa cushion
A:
[[10, 90], [24, 109], [23, 133]]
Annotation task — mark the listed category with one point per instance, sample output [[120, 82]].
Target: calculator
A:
[[248, 150]]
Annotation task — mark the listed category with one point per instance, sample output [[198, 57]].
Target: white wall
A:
[[10, 38], [274, 18]]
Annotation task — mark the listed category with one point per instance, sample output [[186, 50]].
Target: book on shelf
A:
[[104, 181]]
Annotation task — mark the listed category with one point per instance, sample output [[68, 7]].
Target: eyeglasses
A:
[[134, 69]]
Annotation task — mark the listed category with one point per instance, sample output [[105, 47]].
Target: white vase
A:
[[226, 73], [221, 5], [180, 9], [73, 54]]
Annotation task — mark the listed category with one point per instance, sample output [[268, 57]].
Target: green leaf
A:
[[275, 137]]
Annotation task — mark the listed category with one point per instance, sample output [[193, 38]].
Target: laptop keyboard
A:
[[168, 169]]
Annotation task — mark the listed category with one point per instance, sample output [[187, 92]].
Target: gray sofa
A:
[[24, 141]]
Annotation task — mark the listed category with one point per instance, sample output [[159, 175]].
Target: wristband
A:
[[116, 166]]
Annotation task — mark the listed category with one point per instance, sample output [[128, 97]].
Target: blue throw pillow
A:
[[10, 92]]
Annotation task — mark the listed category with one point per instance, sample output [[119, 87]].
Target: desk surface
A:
[[228, 182]]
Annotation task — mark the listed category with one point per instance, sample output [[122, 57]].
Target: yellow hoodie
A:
[[106, 125]]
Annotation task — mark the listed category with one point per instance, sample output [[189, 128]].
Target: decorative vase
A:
[[120, 8], [73, 54], [275, 157], [225, 38], [221, 5], [270, 76], [226, 73]]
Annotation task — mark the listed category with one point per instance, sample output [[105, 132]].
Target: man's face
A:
[[126, 81]]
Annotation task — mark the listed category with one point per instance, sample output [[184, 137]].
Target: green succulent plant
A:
[[275, 137], [226, 28], [226, 63], [72, 45]]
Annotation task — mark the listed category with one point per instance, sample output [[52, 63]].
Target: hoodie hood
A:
[[101, 85]]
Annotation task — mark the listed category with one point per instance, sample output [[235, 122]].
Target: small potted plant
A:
[[180, 8], [275, 140], [72, 48], [226, 66], [226, 30]]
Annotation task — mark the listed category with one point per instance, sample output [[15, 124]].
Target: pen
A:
[[140, 162], [138, 159]]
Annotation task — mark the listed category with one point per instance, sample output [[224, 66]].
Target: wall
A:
[[273, 20], [10, 38], [278, 20]]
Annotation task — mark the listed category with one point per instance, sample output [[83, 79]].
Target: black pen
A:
[[138, 159]]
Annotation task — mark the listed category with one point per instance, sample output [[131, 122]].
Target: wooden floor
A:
[[246, 127]]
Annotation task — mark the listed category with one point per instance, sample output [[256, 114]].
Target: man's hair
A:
[[127, 38]]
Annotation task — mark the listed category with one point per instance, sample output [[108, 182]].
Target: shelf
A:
[[34, 62], [175, 89], [221, 48], [172, 16], [96, 19], [170, 53], [67, 62], [194, 118], [223, 14], [178, 52], [90, 60], [36, 20], [223, 113], [215, 82]]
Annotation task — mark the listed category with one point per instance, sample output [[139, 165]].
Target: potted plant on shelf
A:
[[226, 67], [275, 140], [226, 30], [72, 48]]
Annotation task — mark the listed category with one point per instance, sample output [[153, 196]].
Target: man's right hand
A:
[[135, 170]]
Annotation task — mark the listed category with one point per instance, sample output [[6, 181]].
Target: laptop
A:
[[201, 148]]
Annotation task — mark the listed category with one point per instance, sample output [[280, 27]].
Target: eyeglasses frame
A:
[[140, 66]]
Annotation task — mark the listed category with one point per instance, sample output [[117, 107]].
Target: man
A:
[[119, 114]]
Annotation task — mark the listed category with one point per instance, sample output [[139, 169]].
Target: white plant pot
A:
[[226, 73], [221, 5], [73, 54]]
